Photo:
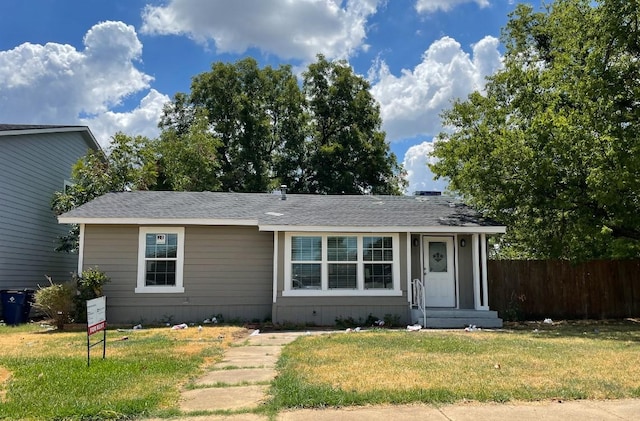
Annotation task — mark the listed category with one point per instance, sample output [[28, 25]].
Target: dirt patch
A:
[[5, 375]]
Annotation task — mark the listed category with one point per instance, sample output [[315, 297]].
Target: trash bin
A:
[[16, 305]]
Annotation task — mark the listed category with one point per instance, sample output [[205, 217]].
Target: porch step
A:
[[454, 319]]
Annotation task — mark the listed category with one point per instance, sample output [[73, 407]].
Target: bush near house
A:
[[66, 302]]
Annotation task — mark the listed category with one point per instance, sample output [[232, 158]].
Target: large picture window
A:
[[341, 264], [160, 260]]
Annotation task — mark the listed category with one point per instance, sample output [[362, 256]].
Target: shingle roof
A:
[[9, 130], [7, 127], [268, 210]]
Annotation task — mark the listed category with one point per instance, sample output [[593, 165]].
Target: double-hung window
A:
[[378, 266], [341, 264], [306, 257], [160, 260]]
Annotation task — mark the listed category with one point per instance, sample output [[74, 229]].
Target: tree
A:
[[130, 164], [347, 151], [258, 117], [322, 138], [551, 148], [188, 160]]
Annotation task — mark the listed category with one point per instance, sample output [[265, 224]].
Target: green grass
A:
[[47, 377], [435, 367]]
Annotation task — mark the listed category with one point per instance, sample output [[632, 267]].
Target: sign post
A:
[[96, 322]]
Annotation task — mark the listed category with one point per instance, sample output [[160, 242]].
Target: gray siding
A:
[[465, 272], [32, 168], [324, 311], [227, 270]]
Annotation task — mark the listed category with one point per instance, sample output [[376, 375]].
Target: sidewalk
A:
[[241, 380]]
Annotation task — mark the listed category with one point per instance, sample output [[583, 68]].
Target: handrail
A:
[[419, 298]]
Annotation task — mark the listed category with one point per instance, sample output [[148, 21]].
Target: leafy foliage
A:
[[129, 164], [89, 285], [56, 301], [551, 148], [322, 138], [188, 159], [347, 151], [257, 117]]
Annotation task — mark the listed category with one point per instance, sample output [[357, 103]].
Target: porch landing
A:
[[456, 318]]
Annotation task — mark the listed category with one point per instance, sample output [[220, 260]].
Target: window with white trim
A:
[[341, 264], [160, 260], [378, 267], [306, 255]]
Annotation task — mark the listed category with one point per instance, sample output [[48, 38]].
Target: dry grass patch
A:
[[5, 375], [141, 374], [562, 362]]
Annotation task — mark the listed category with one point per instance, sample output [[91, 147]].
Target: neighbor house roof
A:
[[271, 213], [24, 129]]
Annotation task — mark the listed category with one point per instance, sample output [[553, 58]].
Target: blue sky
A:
[[111, 65]]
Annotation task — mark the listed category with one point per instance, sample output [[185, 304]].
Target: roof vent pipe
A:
[[283, 192]]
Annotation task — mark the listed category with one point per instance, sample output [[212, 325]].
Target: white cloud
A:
[[411, 103], [289, 29], [143, 120], [427, 6], [419, 175], [58, 84]]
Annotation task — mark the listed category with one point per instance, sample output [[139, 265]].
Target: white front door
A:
[[439, 271]]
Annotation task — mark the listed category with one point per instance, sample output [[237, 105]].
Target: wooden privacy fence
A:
[[538, 289]]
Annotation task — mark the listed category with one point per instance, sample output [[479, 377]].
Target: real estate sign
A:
[[96, 315], [96, 322]]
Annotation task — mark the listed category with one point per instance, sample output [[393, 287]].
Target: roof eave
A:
[[154, 221], [84, 130], [408, 229]]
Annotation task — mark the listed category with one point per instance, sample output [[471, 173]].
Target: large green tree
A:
[[256, 114], [188, 159], [552, 147], [347, 151], [323, 137]]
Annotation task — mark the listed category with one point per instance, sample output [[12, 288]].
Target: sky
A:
[[111, 65]]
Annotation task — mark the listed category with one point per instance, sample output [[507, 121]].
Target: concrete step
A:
[[458, 318], [462, 322]]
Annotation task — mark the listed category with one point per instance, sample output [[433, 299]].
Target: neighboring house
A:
[[35, 161], [187, 256]]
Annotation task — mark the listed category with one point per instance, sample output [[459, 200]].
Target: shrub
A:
[[89, 286], [56, 301]]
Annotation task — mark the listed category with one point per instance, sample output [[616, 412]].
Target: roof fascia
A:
[[431, 229], [307, 228], [84, 130], [154, 221]]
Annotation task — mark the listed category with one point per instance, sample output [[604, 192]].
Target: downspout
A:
[[81, 249]]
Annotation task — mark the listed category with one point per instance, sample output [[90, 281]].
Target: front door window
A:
[[437, 256]]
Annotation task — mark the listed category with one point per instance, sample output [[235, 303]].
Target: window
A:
[[437, 256], [336, 264], [160, 260], [341, 251], [379, 274], [305, 253]]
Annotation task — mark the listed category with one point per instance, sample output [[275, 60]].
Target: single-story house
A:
[[35, 162], [288, 258]]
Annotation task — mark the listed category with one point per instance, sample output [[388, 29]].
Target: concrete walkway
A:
[[241, 380], [245, 372]]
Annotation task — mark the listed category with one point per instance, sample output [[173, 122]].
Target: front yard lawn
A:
[[529, 362], [44, 374]]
